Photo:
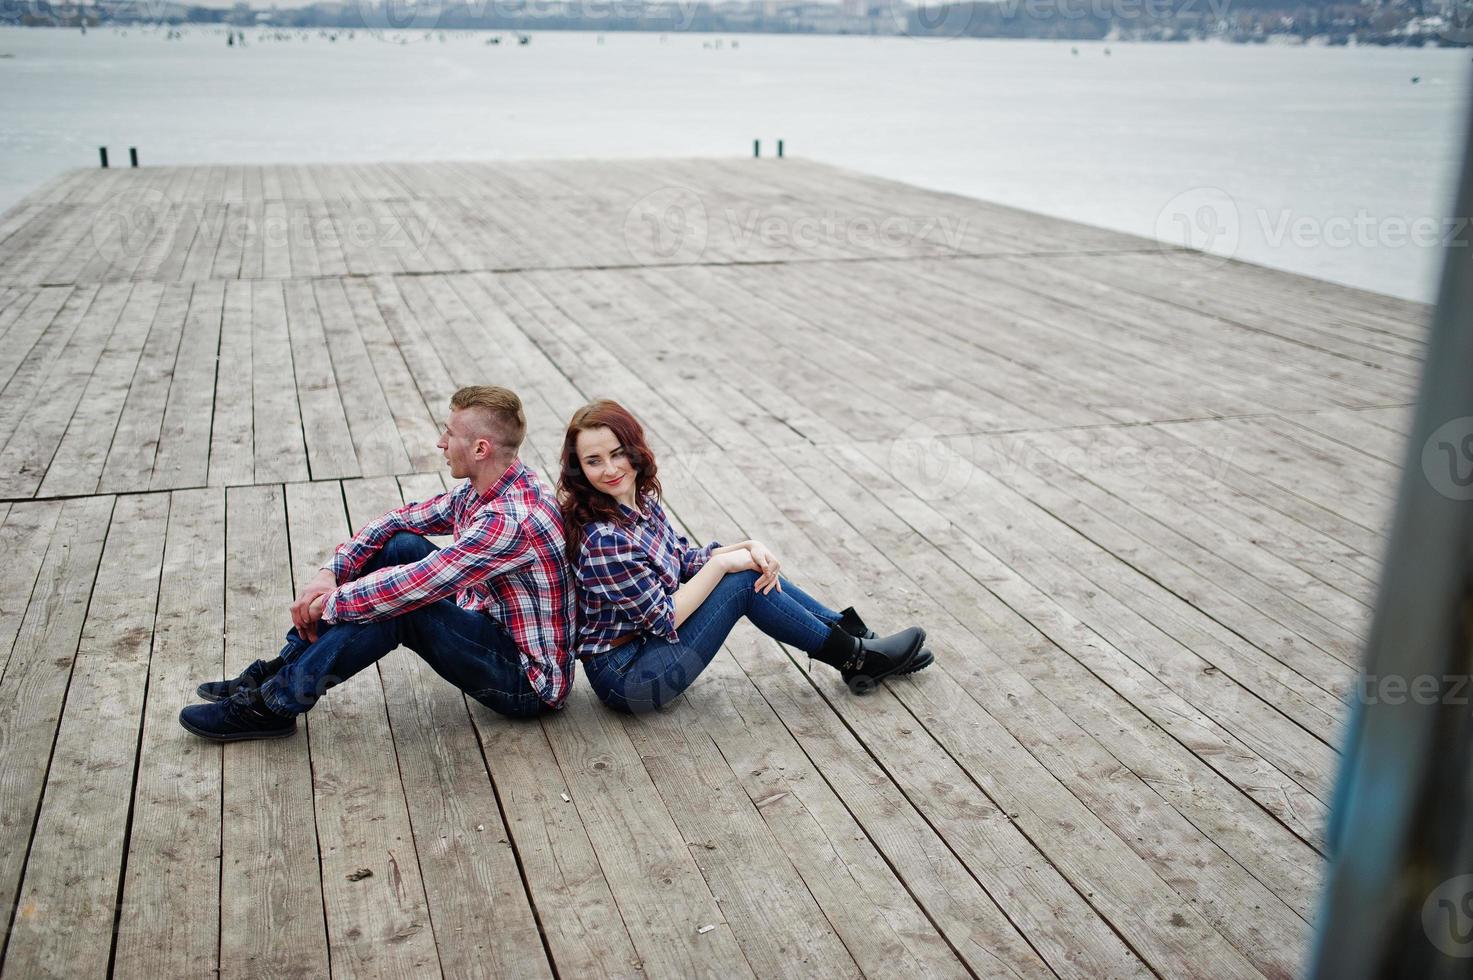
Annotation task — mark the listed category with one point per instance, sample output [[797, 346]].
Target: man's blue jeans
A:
[[649, 672], [469, 649]]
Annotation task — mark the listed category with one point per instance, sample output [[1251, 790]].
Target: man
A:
[[492, 612]]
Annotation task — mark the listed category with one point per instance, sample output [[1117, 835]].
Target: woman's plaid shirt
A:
[[627, 576], [506, 560]]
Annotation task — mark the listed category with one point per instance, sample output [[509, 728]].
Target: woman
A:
[[653, 610]]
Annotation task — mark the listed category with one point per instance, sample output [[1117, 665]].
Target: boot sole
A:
[[208, 695], [237, 736]]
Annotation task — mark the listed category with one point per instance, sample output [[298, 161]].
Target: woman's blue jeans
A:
[[467, 648], [649, 672]]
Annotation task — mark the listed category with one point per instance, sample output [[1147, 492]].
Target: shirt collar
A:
[[509, 476], [635, 515]]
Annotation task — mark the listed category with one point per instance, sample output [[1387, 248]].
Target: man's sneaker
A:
[[243, 715], [253, 677]]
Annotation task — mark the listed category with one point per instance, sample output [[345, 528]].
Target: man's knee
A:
[[404, 548]]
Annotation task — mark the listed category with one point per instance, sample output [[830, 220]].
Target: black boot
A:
[[851, 623], [252, 677], [864, 662]]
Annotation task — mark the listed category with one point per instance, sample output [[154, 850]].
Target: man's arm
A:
[[433, 516], [493, 545]]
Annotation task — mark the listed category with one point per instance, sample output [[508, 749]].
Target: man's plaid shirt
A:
[[506, 560]]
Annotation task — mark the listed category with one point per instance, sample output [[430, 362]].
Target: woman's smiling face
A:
[[606, 464]]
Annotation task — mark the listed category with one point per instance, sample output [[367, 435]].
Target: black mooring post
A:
[[102, 150], [756, 148], [779, 148], [133, 155]]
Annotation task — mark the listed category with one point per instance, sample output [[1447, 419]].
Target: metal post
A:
[[133, 155], [103, 151], [756, 148], [1399, 897], [779, 149]]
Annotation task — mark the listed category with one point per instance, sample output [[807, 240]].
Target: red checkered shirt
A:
[[506, 560]]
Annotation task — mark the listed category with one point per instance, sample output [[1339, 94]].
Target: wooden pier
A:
[[1137, 496]]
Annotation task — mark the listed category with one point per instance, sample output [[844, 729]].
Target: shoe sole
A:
[[208, 695], [237, 736]]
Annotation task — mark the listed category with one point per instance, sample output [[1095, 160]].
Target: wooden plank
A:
[[380, 925], [1014, 795], [415, 421], [183, 457], [663, 898], [324, 422], [483, 919], [169, 923], [24, 536], [271, 914], [1071, 721], [69, 341], [69, 897], [75, 464], [281, 453], [134, 448], [376, 443], [33, 688], [232, 422]]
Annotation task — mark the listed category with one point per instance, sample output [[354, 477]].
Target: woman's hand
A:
[[766, 563]]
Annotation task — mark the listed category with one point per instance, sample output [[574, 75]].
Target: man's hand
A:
[[304, 614], [766, 563]]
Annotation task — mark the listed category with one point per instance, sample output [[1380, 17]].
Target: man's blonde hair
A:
[[501, 409]]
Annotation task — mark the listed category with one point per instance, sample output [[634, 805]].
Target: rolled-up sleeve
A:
[[490, 546], [611, 569], [693, 559], [426, 517]]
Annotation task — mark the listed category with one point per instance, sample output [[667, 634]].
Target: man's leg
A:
[[402, 549]]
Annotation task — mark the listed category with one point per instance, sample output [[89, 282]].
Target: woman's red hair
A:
[[581, 502]]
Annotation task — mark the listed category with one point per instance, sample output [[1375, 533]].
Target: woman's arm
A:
[[724, 560]]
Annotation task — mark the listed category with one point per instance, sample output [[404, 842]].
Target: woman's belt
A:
[[626, 638]]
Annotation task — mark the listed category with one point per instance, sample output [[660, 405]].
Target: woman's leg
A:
[[808, 602], [660, 670]]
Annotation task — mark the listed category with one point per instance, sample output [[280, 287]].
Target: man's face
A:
[[461, 446]]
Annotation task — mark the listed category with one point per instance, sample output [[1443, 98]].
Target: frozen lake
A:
[[1331, 162]]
